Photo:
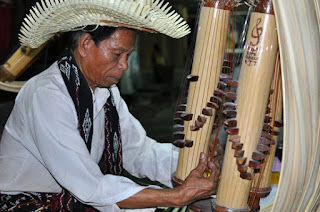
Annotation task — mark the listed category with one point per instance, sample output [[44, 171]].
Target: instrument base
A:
[[219, 208]]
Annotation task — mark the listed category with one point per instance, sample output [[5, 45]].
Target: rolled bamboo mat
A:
[[299, 43]]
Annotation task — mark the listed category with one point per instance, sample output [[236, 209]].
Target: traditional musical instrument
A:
[[243, 152], [299, 41], [17, 63], [22, 58], [195, 118]]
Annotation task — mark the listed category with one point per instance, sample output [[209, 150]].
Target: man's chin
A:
[[107, 85]]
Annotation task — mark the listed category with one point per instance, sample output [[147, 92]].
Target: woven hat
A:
[[49, 17]]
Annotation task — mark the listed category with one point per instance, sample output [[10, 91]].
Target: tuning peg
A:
[[192, 78], [178, 127], [242, 168], [239, 153], [202, 119], [267, 119], [212, 105], [275, 132], [266, 135], [207, 111], [216, 100], [222, 85], [241, 161], [256, 155], [232, 130], [230, 106], [263, 148], [246, 176], [227, 63], [233, 83], [178, 113], [231, 95], [178, 121], [231, 122], [230, 113], [254, 164], [234, 138], [182, 107], [226, 69], [178, 135], [189, 143], [219, 93], [225, 77], [178, 143], [194, 128], [199, 124], [278, 123], [266, 127], [186, 116], [237, 146], [265, 141]]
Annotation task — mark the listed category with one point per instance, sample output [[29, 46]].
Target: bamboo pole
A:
[[207, 65], [261, 187], [254, 86], [21, 59]]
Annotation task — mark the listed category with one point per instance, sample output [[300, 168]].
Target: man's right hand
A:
[[197, 186]]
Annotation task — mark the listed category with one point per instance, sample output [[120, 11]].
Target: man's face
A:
[[106, 63]]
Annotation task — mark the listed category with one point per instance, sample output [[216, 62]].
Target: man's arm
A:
[[195, 187]]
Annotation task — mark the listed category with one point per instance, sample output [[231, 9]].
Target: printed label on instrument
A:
[[252, 56], [253, 51]]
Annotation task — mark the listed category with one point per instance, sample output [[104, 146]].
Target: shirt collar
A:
[[99, 98]]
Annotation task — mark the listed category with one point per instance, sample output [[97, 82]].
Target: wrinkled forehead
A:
[[123, 39]]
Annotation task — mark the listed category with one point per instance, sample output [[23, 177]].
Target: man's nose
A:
[[123, 62]]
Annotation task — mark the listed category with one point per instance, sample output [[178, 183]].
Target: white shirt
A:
[[41, 149]]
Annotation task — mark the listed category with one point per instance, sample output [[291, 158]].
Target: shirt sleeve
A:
[[63, 152], [143, 156]]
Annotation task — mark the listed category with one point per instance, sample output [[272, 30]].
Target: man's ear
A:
[[85, 44]]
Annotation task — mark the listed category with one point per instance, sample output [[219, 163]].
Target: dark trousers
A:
[[34, 201]]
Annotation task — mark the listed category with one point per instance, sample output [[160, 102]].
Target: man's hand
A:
[[200, 184], [197, 185]]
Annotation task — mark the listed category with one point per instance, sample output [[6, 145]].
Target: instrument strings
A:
[[201, 107], [275, 100]]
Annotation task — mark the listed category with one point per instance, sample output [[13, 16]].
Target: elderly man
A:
[[70, 135]]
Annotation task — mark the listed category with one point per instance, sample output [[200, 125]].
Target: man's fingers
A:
[[214, 166], [202, 163]]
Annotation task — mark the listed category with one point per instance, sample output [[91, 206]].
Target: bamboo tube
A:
[[261, 183], [19, 62], [207, 64], [254, 87]]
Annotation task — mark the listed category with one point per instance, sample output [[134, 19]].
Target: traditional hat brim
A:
[[49, 17]]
